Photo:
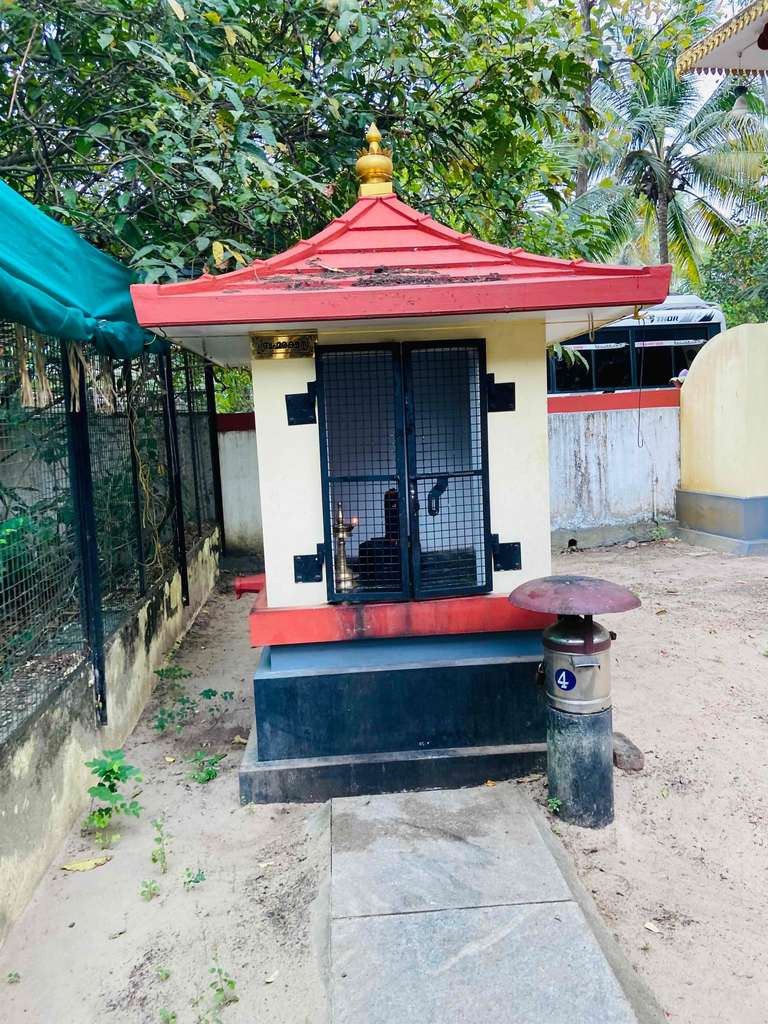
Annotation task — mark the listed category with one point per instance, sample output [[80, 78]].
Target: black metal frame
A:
[[406, 477], [86, 539], [419, 591], [400, 469]]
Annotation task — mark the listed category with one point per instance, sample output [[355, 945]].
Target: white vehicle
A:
[[647, 352]]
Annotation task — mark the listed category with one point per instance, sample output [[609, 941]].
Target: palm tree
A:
[[671, 169]]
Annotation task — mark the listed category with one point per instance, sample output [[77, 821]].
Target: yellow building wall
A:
[[724, 416], [289, 456]]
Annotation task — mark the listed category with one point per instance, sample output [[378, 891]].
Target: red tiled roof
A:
[[384, 259]]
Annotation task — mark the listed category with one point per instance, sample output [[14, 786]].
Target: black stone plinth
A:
[[377, 716]]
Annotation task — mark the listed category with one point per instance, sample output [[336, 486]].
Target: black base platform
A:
[[375, 716], [315, 779]]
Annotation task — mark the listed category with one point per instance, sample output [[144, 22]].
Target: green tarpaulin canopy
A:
[[55, 282]]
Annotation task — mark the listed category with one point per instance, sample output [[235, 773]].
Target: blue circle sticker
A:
[[565, 679]]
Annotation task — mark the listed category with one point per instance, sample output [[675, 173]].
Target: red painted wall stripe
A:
[[229, 421], [590, 401], [489, 613], [597, 401]]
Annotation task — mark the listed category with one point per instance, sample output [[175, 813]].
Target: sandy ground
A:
[[689, 850], [687, 854], [89, 949]]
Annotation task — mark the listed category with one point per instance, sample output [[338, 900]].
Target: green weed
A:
[[193, 878], [554, 804], [161, 840], [205, 766], [149, 889], [112, 772]]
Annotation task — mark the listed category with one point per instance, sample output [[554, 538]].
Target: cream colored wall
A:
[[724, 416], [289, 456], [289, 481]]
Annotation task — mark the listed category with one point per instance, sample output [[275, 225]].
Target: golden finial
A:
[[374, 166]]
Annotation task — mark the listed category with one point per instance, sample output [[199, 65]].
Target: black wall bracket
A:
[[301, 408], [501, 397], [309, 568], [506, 556]]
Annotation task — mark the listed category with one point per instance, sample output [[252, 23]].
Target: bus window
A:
[[577, 376], [655, 367], [612, 367], [684, 356]]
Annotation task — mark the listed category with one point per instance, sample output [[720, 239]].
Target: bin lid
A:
[[573, 595]]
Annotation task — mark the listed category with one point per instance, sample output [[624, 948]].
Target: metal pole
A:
[[174, 473], [133, 445], [218, 500], [86, 540], [192, 440]]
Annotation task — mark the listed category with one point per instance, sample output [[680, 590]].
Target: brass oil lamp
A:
[[345, 578]]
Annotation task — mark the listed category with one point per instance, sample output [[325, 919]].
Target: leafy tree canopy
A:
[[735, 276], [184, 133]]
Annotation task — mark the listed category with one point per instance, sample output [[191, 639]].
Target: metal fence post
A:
[[192, 441], [137, 506], [86, 540], [174, 472], [218, 501]]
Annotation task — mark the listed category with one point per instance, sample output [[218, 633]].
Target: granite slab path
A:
[[448, 907]]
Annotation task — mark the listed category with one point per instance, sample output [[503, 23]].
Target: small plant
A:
[[205, 766], [161, 840], [193, 878], [13, 977], [554, 804], [149, 889], [222, 986], [163, 973], [217, 701], [172, 673], [179, 714], [112, 772], [659, 532], [167, 1016]]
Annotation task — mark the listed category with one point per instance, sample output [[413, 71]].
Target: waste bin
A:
[[577, 673]]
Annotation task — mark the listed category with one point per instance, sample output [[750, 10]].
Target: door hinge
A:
[[309, 568], [506, 556], [301, 407]]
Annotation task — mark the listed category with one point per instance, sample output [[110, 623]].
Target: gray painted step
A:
[[448, 908]]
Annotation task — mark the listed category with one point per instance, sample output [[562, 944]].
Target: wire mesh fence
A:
[[90, 447]]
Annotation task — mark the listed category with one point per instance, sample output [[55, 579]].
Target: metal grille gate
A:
[[404, 461]]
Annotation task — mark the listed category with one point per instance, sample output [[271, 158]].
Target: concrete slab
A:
[[456, 907], [529, 964], [438, 850]]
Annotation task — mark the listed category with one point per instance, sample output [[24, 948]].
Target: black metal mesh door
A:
[[447, 469], [363, 457]]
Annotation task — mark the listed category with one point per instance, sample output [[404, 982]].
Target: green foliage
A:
[[13, 977], [205, 766], [222, 986], [735, 275], [178, 136], [149, 889], [167, 1016], [160, 844], [112, 772], [172, 673], [216, 702], [671, 173], [183, 708], [192, 878], [554, 804], [163, 973], [234, 390]]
